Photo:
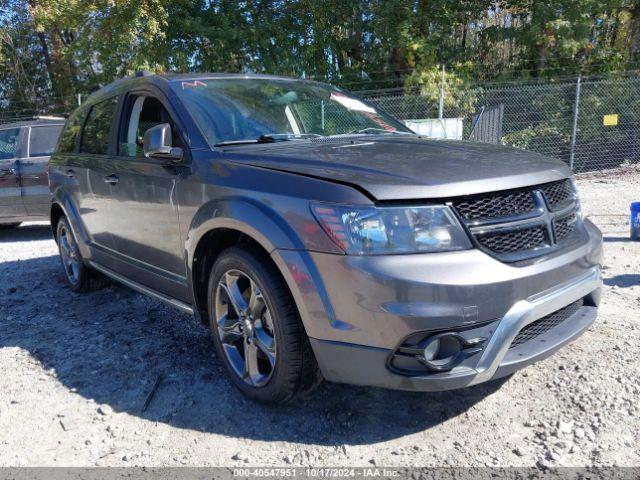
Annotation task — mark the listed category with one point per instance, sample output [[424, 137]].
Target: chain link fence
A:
[[591, 123], [22, 110]]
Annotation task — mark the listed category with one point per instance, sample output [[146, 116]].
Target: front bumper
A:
[[358, 310], [360, 365]]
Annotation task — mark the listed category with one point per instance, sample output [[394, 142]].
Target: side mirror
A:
[[157, 144]]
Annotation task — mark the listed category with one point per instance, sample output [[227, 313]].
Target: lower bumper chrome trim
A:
[[526, 311]]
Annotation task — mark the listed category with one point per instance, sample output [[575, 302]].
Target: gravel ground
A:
[[77, 372]]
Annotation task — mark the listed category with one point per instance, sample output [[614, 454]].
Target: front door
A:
[[10, 193], [144, 221]]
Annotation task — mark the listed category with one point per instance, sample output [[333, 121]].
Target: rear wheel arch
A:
[[55, 215]]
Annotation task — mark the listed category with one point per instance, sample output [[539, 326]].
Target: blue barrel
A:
[[635, 221]]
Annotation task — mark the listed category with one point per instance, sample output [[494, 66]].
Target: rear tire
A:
[[252, 315], [8, 226], [76, 273]]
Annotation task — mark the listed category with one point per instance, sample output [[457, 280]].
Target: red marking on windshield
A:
[[194, 84], [378, 119]]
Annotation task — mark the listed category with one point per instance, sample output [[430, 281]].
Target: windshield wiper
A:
[[288, 136], [269, 138], [374, 130]]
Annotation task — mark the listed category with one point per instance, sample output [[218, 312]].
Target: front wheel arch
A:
[[206, 252]]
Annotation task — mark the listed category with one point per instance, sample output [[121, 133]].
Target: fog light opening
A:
[[443, 351], [432, 350]]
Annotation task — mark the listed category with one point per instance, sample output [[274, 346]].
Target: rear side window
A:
[[9, 143], [72, 127], [42, 140], [95, 134]]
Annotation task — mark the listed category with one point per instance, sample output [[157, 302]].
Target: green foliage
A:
[[58, 48], [541, 138], [459, 101]]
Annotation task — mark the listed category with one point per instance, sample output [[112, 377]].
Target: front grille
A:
[[565, 226], [515, 225], [497, 205], [545, 324], [514, 240], [558, 193]]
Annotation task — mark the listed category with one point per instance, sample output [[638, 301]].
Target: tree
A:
[[58, 48]]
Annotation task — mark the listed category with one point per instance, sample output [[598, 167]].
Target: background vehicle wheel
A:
[[257, 330], [7, 226], [76, 273]]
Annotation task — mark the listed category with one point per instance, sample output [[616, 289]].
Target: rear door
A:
[[97, 206], [11, 140], [41, 142]]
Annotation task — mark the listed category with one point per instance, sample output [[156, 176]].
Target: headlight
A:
[[387, 230]]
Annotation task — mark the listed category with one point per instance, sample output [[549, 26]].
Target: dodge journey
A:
[[320, 238]]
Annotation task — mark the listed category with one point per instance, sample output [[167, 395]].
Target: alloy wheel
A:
[[69, 255], [245, 327]]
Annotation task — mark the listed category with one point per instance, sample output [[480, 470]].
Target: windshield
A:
[[259, 110]]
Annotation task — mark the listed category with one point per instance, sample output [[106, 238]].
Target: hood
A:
[[395, 167]]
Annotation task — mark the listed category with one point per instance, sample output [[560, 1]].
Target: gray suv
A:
[[318, 237], [25, 148]]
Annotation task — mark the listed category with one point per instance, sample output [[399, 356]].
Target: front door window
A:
[[145, 112]]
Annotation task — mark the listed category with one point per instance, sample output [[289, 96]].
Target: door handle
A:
[[111, 179], [7, 173], [71, 173]]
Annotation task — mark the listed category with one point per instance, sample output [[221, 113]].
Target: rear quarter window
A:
[[42, 140]]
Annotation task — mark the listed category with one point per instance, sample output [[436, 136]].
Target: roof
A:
[[214, 75], [142, 78]]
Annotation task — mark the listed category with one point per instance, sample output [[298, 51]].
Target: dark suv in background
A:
[[319, 237], [25, 148]]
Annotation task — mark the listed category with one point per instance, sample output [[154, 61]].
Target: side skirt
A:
[[142, 289]]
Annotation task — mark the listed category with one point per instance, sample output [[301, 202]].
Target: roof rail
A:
[[48, 117]]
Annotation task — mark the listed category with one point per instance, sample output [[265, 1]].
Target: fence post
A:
[[79, 99], [441, 105], [574, 131]]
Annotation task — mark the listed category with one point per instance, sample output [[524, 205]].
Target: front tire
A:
[[76, 273], [256, 329]]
